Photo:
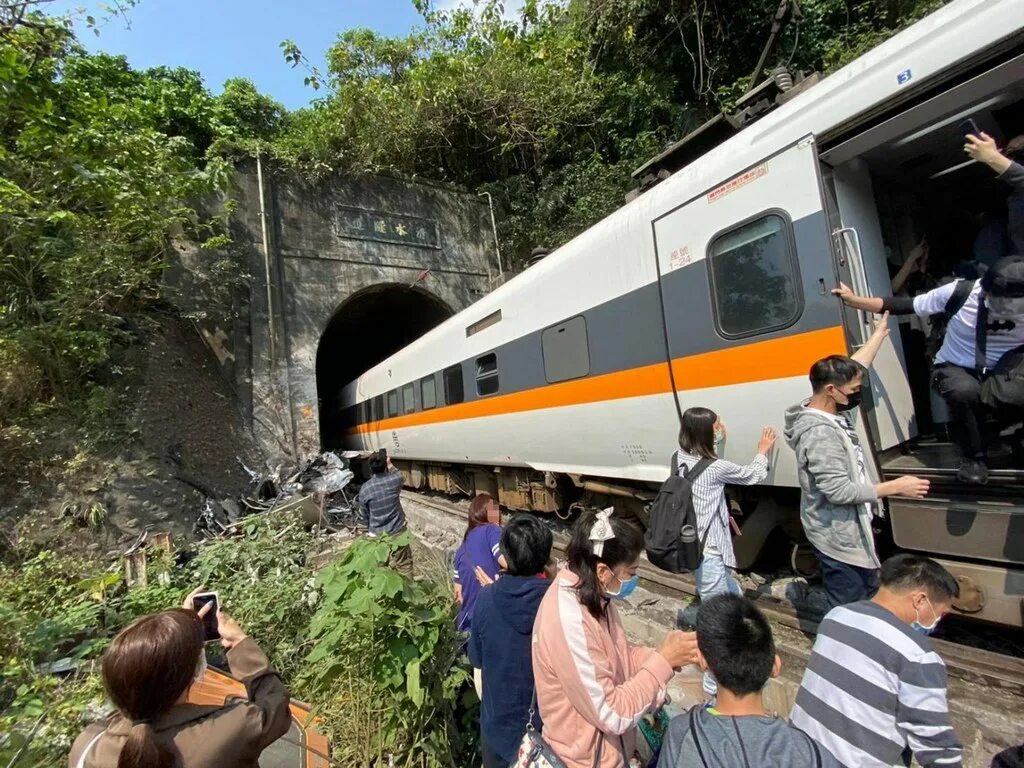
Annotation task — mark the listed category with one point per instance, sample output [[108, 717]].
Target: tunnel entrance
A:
[[369, 326]]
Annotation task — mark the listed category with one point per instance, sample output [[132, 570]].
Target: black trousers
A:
[[961, 389]]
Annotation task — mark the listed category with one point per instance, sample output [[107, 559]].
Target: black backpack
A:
[[671, 538]]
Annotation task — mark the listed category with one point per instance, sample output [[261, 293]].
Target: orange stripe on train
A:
[[759, 361]]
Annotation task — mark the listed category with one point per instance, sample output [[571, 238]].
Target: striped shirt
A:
[[709, 498], [874, 692]]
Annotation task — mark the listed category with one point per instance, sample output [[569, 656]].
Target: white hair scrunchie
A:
[[601, 531]]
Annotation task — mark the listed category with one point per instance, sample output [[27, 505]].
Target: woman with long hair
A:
[[592, 685], [699, 435], [478, 559], [147, 672]]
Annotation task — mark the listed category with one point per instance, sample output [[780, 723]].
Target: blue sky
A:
[[239, 38]]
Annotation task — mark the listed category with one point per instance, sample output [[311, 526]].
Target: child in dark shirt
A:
[[735, 643]]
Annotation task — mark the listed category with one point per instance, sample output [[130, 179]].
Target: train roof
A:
[[883, 78]]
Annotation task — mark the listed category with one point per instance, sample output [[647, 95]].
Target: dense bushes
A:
[[377, 655], [551, 111]]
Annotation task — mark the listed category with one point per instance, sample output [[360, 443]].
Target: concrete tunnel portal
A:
[[369, 326]]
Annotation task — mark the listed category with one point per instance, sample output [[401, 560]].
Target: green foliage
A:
[[98, 163], [552, 111], [54, 607], [376, 654], [265, 584], [384, 661]]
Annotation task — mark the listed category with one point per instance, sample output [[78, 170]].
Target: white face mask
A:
[[1005, 306], [925, 629]]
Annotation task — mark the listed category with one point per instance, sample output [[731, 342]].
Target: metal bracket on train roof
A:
[[683, 152]]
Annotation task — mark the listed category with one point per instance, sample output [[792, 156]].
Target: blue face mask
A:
[[926, 629], [625, 589]]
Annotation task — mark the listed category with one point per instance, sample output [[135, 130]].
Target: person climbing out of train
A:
[[699, 435], [380, 498], [838, 498], [979, 369], [593, 685], [477, 562], [500, 645], [1009, 169]]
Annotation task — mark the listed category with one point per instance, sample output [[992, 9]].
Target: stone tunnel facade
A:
[[341, 273]]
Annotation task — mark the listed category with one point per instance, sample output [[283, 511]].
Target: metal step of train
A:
[[979, 528]]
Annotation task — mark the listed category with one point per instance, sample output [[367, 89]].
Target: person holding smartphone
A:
[[147, 673], [1008, 165]]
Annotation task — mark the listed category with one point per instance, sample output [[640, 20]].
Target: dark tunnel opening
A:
[[368, 327]]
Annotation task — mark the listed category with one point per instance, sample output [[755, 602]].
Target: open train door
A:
[[746, 271], [859, 254]]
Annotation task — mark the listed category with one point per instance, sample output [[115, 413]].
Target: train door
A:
[[746, 273], [861, 263]]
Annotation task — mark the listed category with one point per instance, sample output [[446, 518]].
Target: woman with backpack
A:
[[700, 432]]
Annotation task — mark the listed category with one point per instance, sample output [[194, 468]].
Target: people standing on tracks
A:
[[979, 369], [874, 690], [593, 686], [698, 459], [477, 562], [500, 645], [380, 498], [147, 672], [838, 498], [480, 550], [1009, 168], [735, 643]]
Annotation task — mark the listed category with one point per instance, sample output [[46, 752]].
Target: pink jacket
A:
[[591, 684]]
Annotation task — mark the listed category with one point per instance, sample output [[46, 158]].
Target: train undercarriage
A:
[[771, 537]]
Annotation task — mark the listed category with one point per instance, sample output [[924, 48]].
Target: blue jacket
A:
[[501, 646]]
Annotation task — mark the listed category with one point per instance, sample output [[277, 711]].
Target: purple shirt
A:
[[479, 548]]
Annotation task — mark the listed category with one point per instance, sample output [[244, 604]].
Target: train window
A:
[[378, 407], [393, 402], [408, 398], [755, 280], [428, 392], [566, 355], [487, 374], [453, 391], [487, 322]]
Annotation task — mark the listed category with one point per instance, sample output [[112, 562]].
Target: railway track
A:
[[970, 664]]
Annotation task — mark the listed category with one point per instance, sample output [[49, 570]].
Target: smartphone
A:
[[210, 628], [969, 128]]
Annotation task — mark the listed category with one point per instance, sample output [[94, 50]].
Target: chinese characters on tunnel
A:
[[362, 224]]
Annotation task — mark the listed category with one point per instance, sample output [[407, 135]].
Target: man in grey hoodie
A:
[[838, 497]]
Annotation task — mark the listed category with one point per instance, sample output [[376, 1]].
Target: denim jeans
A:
[[714, 578], [845, 583]]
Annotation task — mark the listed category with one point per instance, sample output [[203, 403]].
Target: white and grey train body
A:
[[713, 289]]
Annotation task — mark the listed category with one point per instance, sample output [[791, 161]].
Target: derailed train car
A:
[[563, 386]]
